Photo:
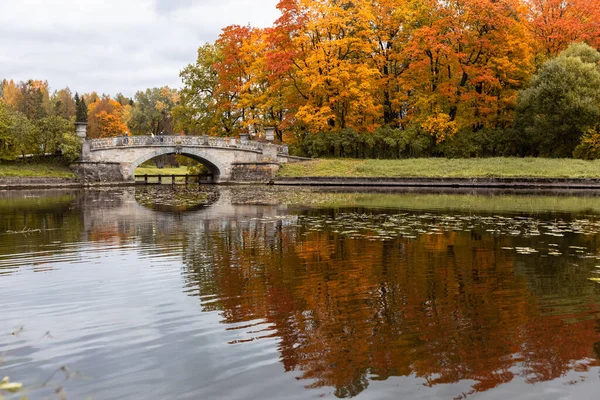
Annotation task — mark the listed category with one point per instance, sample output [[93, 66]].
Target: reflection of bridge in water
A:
[[121, 213], [227, 159]]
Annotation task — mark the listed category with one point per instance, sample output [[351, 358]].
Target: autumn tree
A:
[[11, 95], [393, 25], [232, 70], [107, 117], [468, 63], [211, 100], [558, 23], [262, 95], [91, 97], [327, 61]]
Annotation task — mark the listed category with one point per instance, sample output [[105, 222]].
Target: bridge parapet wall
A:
[[196, 141]]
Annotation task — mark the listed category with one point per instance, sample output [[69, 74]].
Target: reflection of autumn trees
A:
[[51, 214], [445, 307]]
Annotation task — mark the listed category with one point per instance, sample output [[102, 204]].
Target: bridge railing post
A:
[[146, 179]]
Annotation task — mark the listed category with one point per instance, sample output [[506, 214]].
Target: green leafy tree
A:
[[51, 132], [23, 133], [6, 140], [197, 110], [153, 111], [70, 145], [63, 104], [123, 100], [34, 100], [562, 102]]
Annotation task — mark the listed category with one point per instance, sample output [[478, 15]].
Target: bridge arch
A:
[[211, 163]]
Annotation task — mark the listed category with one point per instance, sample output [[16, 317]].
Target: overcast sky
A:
[[114, 46]]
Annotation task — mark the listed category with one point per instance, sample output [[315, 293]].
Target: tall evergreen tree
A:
[[81, 109]]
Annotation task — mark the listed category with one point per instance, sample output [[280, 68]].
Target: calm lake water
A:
[[281, 293]]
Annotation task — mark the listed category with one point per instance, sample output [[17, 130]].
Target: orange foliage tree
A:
[[558, 23], [107, 117]]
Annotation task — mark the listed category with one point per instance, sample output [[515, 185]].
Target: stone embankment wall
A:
[[254, 172], [98, 171], [37, 182]]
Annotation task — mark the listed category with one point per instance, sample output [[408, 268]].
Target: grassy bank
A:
[[35, 169], [416, 201], [446, 168]]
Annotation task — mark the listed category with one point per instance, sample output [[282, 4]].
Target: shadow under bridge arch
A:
[[211, 163]]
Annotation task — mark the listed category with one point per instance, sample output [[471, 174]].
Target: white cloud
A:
[[114, 46]]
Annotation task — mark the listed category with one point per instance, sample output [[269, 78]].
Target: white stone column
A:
[[81, 131], [270, 133]]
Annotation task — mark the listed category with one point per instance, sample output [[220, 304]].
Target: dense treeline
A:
[[385, 79], [34, 121], [407, 77], [557, 115]]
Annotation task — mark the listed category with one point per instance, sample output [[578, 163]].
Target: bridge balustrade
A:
[[196, 141]]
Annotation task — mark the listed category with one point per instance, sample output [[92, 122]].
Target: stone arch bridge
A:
[[228, 159]]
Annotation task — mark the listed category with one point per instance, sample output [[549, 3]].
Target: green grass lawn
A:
[[167, 171], [147, 170], [34, 170], [446, 168]]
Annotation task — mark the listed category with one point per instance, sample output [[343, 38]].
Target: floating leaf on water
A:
[[8, 386]]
